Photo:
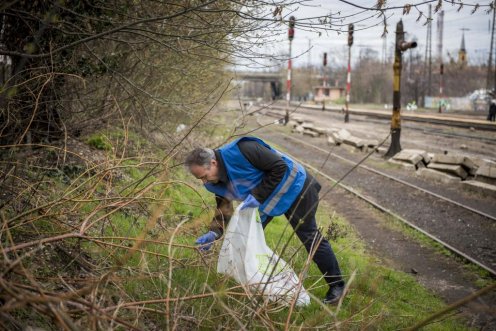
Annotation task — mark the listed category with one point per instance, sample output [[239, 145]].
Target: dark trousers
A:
[[492, 112], [304, 209]]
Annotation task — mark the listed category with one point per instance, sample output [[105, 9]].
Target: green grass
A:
[[379, 297], [99, 141]]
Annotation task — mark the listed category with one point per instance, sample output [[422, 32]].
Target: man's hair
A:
[[200, 157]]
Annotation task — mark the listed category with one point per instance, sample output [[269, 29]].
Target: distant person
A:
[[492, 108], [443, 105], [249, 170]]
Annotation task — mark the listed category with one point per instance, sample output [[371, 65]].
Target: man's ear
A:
[[213, 162]]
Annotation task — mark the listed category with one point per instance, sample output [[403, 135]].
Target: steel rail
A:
[[387, 211], [491, 217], [420, 120], [436, 132], [432, 132], [430, 118]]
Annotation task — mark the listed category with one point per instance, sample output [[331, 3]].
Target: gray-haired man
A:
[[249, 170]]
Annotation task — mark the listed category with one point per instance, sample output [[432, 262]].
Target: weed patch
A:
[[117, 244]]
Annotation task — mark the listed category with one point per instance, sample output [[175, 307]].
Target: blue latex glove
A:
[[263, 217], [206, 240], [250, 202]]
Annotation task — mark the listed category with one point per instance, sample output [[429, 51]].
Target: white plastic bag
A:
[[246, 257]]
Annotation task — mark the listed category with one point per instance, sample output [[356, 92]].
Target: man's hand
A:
[[250, 202], [206, 240]]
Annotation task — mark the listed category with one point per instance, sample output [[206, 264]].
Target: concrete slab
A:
[[308, 125], [408, 156], [448, 158], [381, 150], [353, 141], [311, 133], [424, 154], [299, 129], [452, 169], [337, 138], [370, 142], [331, 141], [462, 160], [320, 130], [487, 169], [438, 176], [480, 187], [343, 134], [470, 166]]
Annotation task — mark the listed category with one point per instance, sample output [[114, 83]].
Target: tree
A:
[[75, 63]]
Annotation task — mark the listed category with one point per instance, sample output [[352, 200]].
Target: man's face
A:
[[207, 174]]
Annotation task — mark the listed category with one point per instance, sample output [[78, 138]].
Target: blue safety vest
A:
[[243, 177]]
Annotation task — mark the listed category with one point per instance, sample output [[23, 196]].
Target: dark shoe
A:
[[333, 295]]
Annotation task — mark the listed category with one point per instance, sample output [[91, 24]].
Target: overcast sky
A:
[[369, 28]]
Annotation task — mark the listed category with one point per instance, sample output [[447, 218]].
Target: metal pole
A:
[[429, 46], [324, 81], [441, 65], [490, 62], [324, 78], [395, 146], [348, 88], [400, 46], [288, 86], [348, 76], [441, 74], [292, 20]]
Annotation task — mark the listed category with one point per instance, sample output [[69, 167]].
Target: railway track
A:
[[462, 218], [379, 118], [383, 174]]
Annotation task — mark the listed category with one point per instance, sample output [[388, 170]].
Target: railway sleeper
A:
[[444, 167]]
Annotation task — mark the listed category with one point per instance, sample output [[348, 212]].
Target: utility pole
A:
[[410, 60], [292, 20], [324, 74], [324, 80], [309, 73], [400, 46], [440, 28], [348, 77], [428, 54], [490, 62]]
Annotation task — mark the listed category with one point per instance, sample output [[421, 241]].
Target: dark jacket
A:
[[273, 170]]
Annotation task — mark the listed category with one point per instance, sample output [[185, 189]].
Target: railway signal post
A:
[[400, 46], [348, 77], [292, 20], [324, 78], [441, 100]]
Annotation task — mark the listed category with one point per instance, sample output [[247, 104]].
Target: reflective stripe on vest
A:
[[287, 184]]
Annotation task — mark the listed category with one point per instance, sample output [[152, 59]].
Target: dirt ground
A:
[[445, 276]]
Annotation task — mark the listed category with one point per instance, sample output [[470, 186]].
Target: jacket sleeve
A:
[[222, 215], [269, 162]]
